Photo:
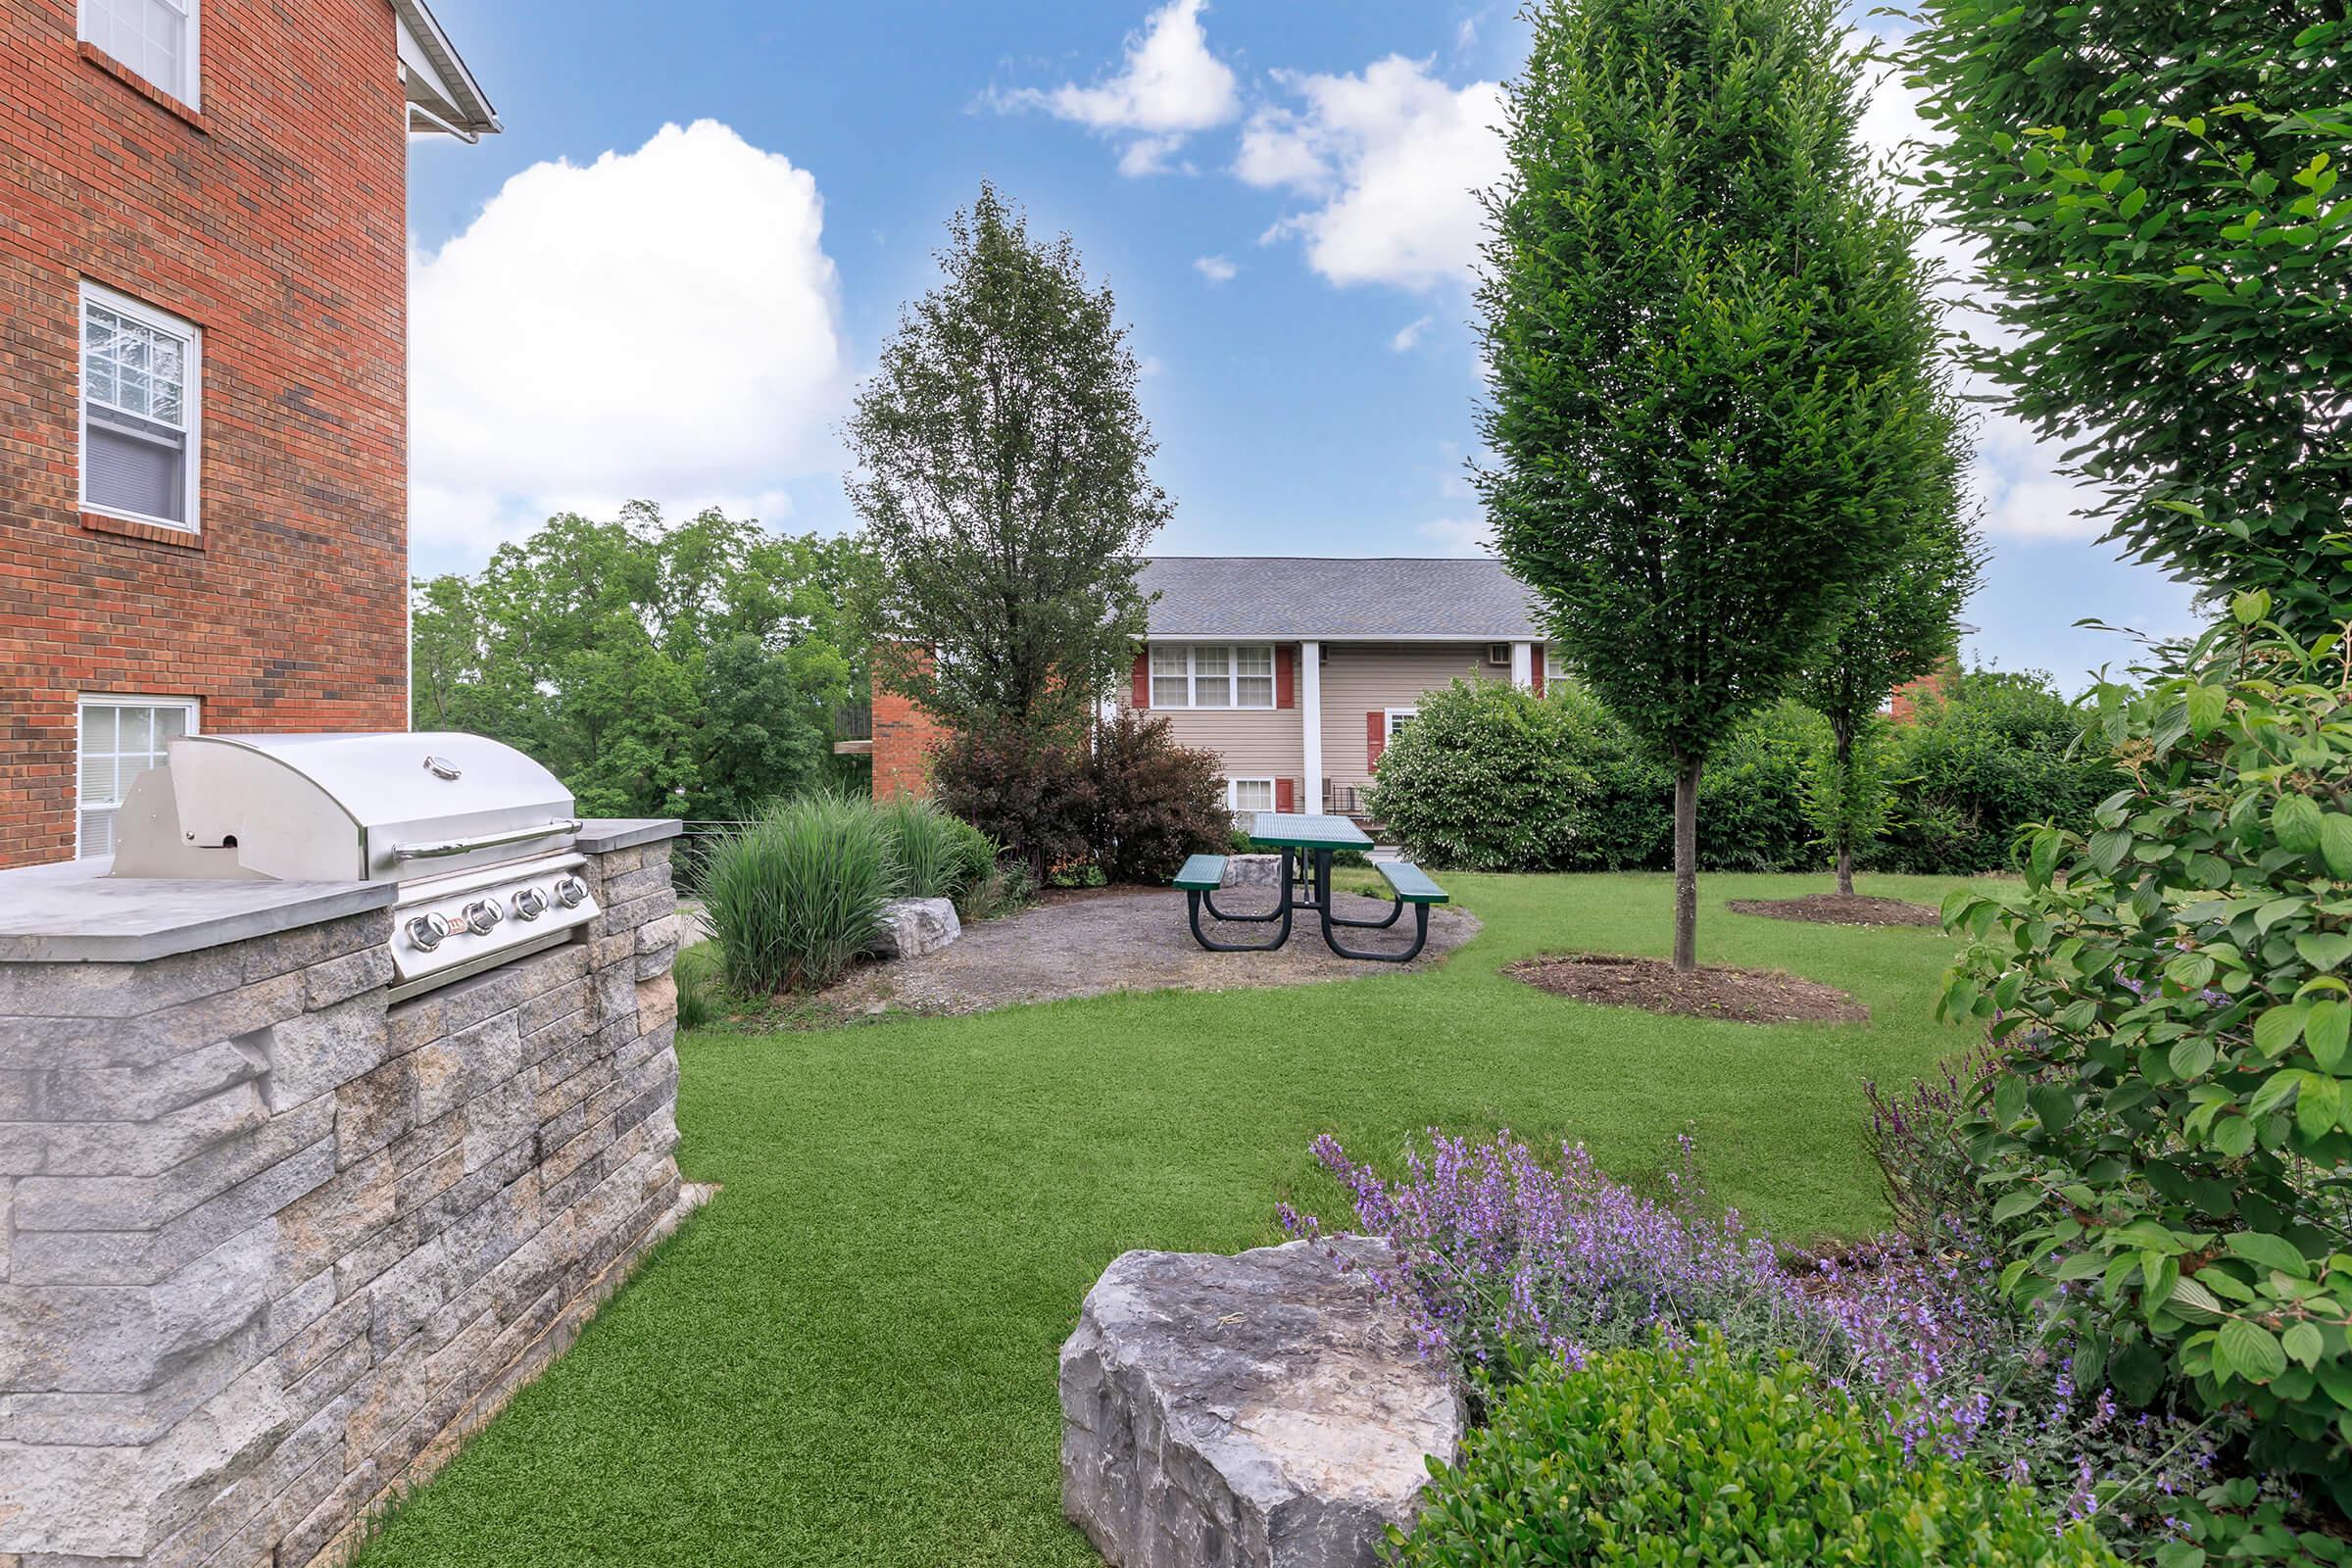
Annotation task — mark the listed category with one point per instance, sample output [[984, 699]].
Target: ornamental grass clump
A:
[[1673, 1454], [928, 847], [794, 897]]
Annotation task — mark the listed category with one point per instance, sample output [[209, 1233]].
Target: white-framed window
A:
[[121, 738], [1246, 795], [1399, 717], [156, 38], [1556, 667], [1212, 675], [142, 380]]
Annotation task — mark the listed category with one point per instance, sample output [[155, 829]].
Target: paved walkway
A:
[[1087, 943]]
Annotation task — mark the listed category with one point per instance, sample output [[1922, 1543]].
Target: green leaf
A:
[[2276, 1031], [2318, 1106], [2009, 1100], [2323, 950], [2192, 1301], [2295, 823], [2043, 860], [2336, 844], [2206, 704], [2327, 1024], [2014, 1203], [2253, 1351], [2189, 1059], [2248, 608], [2269, 1250]]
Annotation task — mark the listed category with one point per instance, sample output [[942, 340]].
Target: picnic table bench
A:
[[1307, 844]]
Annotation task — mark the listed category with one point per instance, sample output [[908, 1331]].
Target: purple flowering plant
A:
[[1499, 1257]]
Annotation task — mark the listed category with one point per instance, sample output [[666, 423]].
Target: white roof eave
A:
[[441, 91]]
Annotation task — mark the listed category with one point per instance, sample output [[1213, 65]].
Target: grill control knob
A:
[[480, 916], [528, 904], [571, 892], [427, 930]]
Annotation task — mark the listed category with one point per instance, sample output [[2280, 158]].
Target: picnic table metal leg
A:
[[1195, 897], [1420, 937], [1275, 913]]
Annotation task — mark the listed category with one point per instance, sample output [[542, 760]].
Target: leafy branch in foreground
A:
[[2171, 1133]]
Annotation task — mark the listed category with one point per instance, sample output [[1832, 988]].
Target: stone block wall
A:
[[269, 1247]]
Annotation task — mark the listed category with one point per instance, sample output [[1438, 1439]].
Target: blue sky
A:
[[667, 274]]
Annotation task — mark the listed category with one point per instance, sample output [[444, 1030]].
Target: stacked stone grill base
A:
[[269, 1247]]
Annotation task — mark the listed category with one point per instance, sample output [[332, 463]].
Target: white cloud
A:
[[1459, 536], [1393, 159], [1410, 333], [659, 324], [1168, 87], [1216, 269]]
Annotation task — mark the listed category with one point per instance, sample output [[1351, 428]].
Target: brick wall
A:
[[276, 223], [270, 1249], [904, 735]]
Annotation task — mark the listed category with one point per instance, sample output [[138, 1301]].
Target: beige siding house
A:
[[1296, 670]]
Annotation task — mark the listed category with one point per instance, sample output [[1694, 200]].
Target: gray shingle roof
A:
[[1285, 596]]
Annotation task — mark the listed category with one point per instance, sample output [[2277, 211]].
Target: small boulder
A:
[[1252, 872], [1264, 1410], [913, 927]]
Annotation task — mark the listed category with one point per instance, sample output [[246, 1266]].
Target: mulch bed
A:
[[1840, 908], [1736, 996]]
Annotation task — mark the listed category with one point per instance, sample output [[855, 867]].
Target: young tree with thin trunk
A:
[[1002, 476], [1903, 624], [1714, 400]]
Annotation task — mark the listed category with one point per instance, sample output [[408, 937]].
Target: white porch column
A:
[[1310, 724], [1523, 665]]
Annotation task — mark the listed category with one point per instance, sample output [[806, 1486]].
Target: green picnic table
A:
[[1308, 843]]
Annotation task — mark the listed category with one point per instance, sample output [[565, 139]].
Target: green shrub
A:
[[1489, 778], [1484, 778], [2171, 1129], [1155, 801], [1668, 1457], [795, 897], [1975, 767], [696, 975]]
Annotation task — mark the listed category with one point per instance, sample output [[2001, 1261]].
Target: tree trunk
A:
[[1844, 737], [1685, 863]]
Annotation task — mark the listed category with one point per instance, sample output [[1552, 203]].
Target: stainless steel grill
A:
[[476, 834]]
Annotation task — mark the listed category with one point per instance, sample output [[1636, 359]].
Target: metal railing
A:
[[1343, 799], [854, 721]]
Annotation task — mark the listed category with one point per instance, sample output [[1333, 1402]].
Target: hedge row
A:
[[1492, 779]]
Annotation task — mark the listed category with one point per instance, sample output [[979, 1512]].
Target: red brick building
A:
[[203, 380]]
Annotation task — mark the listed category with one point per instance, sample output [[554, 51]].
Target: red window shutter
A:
[[1286, 676], [1140, 684], [1286, 797], [1376, 737]]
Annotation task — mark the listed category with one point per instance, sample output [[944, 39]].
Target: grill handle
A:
[[487, 841]]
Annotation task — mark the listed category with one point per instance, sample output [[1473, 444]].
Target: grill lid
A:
[[367, 807]]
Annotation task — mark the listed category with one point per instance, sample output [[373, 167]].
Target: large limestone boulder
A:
[[913, 927], [1266, 1409]]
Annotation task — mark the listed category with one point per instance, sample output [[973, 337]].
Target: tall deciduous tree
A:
[[1714, 408], [676, 671], [2152, 191], [1902, 625], [1002, 476]]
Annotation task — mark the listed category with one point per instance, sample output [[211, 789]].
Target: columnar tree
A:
[[1903, 624], [1714, 404], [2152, 190], [1003, 477]]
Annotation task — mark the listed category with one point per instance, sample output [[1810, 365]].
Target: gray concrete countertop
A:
[[601, 834], [74, 913]]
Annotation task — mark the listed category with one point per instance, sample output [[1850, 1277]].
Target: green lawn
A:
[[848, 1358]]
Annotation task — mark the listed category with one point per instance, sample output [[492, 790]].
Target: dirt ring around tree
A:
[[1840, 908], [1734, 996]]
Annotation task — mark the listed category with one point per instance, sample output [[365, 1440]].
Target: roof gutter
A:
[[475, 116]]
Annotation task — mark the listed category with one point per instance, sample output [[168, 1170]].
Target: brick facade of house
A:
[[274, 222], [904, 735]]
